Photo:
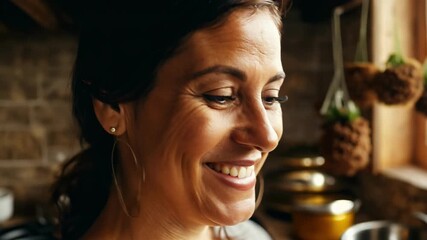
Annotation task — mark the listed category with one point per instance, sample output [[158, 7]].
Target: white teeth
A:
[[249, 171], [242, 172], [234, 171], [225, 170]]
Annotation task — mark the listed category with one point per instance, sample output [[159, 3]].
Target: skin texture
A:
[[177, 129]]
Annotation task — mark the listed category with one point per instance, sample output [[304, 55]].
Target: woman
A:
[[178, 102]]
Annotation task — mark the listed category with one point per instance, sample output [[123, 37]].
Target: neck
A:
[[153, 222]]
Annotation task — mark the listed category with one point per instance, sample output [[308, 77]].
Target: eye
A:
[[272, 100], [218, 99]]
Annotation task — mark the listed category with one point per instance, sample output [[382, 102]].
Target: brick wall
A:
[[384, 197], [36, 128]]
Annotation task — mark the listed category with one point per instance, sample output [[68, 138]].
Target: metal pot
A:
[[305, 181], [288, 189], [320, 206], [277, 164], [383, 230]]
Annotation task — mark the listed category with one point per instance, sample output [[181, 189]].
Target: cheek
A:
[[178, 145], [203, 130], [189, 133]]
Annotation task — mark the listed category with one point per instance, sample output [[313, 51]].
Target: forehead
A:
[[248, 40], [246, 33]]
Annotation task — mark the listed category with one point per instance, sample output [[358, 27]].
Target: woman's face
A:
[[207, 126]]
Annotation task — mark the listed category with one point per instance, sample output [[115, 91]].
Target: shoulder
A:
[[247, 230]]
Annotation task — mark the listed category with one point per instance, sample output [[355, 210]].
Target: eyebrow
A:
[[233, 72]]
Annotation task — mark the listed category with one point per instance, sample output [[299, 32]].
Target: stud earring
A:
[[113, 129]]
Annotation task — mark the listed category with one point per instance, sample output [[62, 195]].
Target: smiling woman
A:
[[178, 120]]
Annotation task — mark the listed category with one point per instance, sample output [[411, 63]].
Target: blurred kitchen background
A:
[[37, 132]]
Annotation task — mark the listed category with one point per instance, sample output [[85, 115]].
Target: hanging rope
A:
[[337, 94], [362, 45]]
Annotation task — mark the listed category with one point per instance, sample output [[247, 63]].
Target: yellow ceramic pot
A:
[[323, 221]]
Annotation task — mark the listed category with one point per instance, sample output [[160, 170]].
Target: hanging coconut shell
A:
[[400, 83], [359, 78], [346, 146]]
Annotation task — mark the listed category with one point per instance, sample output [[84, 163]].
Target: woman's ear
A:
[[110, 117]]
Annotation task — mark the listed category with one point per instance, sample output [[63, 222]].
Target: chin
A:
[[236, 220], [233, 220], [233, 214]]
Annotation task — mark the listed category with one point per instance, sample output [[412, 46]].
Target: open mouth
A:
[[232, 170]]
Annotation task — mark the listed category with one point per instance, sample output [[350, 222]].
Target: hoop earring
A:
[[258, 200], [140, 180]]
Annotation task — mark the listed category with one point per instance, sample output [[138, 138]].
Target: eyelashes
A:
[[219, 99], [272, 100], [229, 99]]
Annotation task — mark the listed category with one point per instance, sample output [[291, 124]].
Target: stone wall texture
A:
[[37, 132], [388, 198]]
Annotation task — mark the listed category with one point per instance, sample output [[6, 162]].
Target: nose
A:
[[258, 128]]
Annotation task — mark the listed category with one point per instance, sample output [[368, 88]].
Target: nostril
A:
[[259, 138], [259, 149]]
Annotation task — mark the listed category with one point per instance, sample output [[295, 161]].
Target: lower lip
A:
[[242, 184]]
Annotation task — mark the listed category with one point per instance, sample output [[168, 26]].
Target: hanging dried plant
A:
[[346, 142], [359, 77], [401, 82], [346, 145], [359, 74]]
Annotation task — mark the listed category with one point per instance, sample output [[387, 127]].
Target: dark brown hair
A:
[[121, 46]]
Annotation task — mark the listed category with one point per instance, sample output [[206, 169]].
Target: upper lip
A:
[[242, 162]]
